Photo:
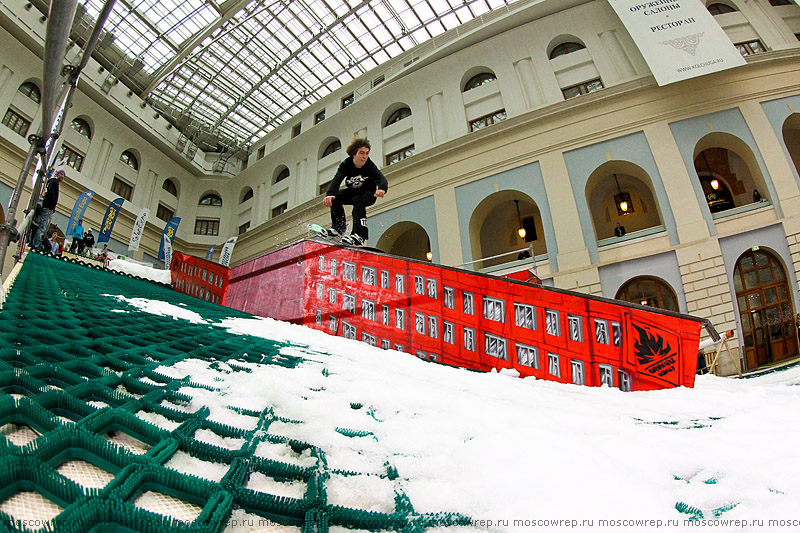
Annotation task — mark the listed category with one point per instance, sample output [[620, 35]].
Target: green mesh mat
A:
[[71, 383]]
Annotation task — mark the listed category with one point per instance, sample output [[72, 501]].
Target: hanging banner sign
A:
[[109, 219], [227, 251], [210, 253], [679, 39], [166, 244], [169, 231], [138, 229], [78, 210]]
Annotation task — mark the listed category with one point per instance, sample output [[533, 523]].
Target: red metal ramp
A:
[[468, 319]]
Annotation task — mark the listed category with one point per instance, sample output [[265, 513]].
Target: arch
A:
[[212, 199], [32, 91], [280, 174], [565, 48], [608, 185], [395, 113], [245, 194], [494, 225], [406, 239], [563, 45], [170, 186], [649, 290], [791, 138], [329, 146], [728, 172], [720, 8], [476, 77], [131, 159], [764, 304], [82, 126]]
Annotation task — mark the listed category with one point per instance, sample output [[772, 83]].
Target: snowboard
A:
[[318, 231]]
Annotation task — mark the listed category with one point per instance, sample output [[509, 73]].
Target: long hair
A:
[[356, 144]]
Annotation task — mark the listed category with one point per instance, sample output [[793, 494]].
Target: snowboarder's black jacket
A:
[[367, 177]]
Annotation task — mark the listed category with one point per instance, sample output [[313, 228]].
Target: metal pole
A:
[[62, 13], [59, 24], [72, 73]]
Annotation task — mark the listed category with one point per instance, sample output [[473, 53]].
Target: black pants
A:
[[360, 200]]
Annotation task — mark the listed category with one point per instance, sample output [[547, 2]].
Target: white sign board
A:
[[679, 39], [167, 253], [227, 251], [138, 229]]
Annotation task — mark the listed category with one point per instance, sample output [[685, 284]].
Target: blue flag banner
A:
[[210, 253], [109, 219], [78, 210], [169, 232]]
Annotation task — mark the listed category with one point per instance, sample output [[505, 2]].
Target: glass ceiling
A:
[[227, 72]]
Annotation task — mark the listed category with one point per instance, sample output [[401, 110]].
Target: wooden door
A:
[[765, 309]]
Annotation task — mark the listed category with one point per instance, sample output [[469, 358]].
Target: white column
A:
[[436, 114], [531, 89], [101, 163], [619, 58]]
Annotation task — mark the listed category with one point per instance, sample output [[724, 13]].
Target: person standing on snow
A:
[[77, 236], [49, 203]]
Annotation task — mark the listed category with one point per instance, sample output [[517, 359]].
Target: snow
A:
[[513, 454], [156, 307], [187, 464], [141, 271], [289, 489]]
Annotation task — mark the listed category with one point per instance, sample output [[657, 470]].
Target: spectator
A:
[[55, 246], [77, 237], [87, 242], [43, 217], [619, 230]]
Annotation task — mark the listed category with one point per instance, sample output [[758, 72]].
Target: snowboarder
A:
[[364, 185]]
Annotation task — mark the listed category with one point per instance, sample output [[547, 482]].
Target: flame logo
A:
[[650, 347]]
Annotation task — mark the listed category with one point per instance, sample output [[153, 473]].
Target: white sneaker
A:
[[353, 240]]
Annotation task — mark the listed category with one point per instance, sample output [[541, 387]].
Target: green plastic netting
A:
[[74, 456]]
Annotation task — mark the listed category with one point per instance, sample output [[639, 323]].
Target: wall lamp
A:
[[622, 200]]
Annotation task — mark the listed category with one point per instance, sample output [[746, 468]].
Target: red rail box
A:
[[468, 319]]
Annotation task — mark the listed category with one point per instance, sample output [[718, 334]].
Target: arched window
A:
[[248, 194], [170, 187], [335, 146], [280, 176], [30, 90], [719, 9], [82, 127], [398, 115], [565, 48], [648, 290], [478, 80], [129, 159], [211, 199]]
